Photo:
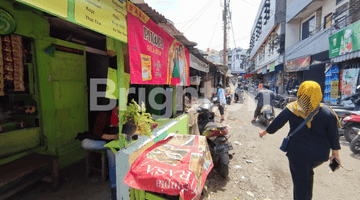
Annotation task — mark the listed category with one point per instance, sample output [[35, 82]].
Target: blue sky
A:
[[201, 20]]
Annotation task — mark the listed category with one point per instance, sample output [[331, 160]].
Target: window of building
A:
[[328, 21], [308, 27], [338, 1]]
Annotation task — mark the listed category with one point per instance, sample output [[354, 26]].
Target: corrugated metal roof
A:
[[348, 56], [155, 16]]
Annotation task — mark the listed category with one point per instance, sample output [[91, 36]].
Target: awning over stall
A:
[[197, 64], [300, 64], [247, 75]]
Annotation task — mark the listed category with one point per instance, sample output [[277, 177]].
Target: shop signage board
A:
[[7, 23], [349, 82], [272, 67], [57, 7], [298, 65], [196, 63], [264, 70], [104, 16], [345, 41], [334, 89], [156, 58]]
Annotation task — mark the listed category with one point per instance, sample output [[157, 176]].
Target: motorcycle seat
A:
[[346, 112], [214, 125]]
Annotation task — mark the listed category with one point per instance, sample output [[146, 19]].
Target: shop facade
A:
[[46, 77], [343, 73]]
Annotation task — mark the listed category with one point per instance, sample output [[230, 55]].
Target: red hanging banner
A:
[[156, 57], [177, 165]]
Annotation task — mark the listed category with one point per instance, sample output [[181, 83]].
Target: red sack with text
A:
[[177, 165]]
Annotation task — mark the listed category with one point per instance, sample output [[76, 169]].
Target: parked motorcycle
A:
[[272, 86], [280, 101], [351, 126], [214, 98], [341, 113], [216, 136], [228, 98], [293, 92], [355, 144], [239, 94], [266, 115]]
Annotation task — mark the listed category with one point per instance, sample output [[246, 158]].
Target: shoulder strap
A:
[[304, 122]]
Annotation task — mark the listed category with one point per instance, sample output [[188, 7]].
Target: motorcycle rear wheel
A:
[[355, 145], [350, 133], [267, 122], [223, 169]]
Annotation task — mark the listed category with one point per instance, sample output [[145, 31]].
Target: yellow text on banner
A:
[[57, 7], [105, 16]]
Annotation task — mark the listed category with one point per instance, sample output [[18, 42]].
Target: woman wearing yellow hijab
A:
[[310, 146]]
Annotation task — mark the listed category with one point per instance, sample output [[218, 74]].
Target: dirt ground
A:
[[267, 175]]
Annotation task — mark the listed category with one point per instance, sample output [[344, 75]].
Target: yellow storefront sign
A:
[[57, 7], [104, 16]]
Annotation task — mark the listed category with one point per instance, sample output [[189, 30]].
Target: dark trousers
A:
[[221, 110], [302, 173], [257, 111]]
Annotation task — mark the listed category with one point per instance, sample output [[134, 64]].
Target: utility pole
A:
[[224, 17], [225, 27]]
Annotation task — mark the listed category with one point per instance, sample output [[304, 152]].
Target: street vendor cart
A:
[[176, 165]]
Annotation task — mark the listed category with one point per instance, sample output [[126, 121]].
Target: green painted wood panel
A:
[[28, 23], [182, 126], [67, 66], [45, 85], [69, 94], [19, 140], [63, 95], [68, 77]]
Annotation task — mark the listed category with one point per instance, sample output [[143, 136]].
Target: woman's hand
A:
[[335, 154], [262, 133]]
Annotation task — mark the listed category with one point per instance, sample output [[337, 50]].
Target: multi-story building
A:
[[308, 26], [213, 56], [238, 61], [267, 40]]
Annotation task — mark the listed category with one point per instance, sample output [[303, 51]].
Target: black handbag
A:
[[285, 142]]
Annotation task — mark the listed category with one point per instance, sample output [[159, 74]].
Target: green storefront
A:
[[52, 107]]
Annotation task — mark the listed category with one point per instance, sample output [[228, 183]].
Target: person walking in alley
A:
[[221, 101], [310, 146]]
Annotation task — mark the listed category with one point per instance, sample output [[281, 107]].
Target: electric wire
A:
[[207, 17], [200, 15], [232, 28], [215, 28], [194, 16], [200, 12]]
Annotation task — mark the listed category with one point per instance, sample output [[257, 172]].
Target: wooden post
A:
[[123, 83]]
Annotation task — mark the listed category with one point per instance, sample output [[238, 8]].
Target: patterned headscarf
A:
[[309, 97]]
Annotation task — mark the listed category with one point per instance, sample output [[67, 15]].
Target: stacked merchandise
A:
[[332, 85], [16, 43], [11, 64], [1, 71]]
